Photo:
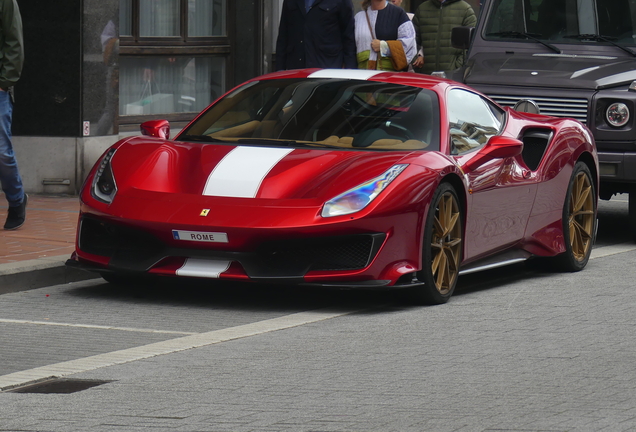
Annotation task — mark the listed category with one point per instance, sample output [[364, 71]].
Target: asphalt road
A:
[[516, 349]]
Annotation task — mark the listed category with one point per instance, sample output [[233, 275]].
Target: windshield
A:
[[336, 113], [564, 21]]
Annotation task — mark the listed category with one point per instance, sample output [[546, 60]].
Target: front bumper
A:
[[368, 284], [617, 166], [325, 260], [617, 172]]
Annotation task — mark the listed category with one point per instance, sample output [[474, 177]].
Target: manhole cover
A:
[[59, 385]]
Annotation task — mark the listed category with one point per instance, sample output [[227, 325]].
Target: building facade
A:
[[96, 69]]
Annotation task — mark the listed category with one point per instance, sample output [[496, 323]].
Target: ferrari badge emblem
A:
[[204, 212]]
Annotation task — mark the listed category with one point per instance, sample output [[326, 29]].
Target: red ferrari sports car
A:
[[344, 178]]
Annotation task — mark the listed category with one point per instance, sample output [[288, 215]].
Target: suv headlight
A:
[[617, 114], [104, 187], [360, 196]]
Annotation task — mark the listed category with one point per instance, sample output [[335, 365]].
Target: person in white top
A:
[[385, 36]]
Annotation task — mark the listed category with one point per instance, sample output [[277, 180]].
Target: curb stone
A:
[[38, 273]]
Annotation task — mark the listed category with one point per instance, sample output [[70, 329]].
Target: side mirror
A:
[[156, 128], [497, 147], [461, 37]]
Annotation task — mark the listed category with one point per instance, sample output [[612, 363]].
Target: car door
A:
[[500, 196]]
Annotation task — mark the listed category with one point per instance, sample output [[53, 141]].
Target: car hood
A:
[[554, 70], [238, 171]]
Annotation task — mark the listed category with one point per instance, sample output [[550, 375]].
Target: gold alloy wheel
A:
[[446, 243], [581, 217]]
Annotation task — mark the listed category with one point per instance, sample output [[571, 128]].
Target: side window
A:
[[472, 120]]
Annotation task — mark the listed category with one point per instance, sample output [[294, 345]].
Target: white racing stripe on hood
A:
[[359, 74], [241, 172]]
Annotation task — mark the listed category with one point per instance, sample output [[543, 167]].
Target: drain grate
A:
[[59, 385]]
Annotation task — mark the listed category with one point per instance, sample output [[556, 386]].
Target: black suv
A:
[[573, 58]]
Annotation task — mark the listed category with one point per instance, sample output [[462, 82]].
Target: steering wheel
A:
[[397, 130]]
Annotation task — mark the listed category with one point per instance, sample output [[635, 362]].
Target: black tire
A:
[[442, 248], [579, 220]]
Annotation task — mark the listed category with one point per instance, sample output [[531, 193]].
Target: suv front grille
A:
[[558, 107]]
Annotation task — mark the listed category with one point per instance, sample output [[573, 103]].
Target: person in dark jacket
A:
[[11, 61], [433, 22], [316, 34]]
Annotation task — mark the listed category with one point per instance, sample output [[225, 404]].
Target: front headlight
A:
[[617, 114], [104, 187], [359, 197]]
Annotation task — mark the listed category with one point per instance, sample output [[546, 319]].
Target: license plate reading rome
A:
[[211, 237]]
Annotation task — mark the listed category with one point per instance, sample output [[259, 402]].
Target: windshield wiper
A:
[[533, 36], [205, 138], [288, 143], [601, 38]]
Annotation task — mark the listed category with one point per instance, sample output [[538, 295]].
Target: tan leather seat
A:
[[399, 144], [242, 130], [338, 141]]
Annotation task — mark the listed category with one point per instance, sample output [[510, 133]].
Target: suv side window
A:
[[472, 120]]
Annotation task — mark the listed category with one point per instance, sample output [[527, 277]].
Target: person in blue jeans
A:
[[11, 61]]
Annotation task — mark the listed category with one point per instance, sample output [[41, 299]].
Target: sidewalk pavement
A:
[[33, 256]]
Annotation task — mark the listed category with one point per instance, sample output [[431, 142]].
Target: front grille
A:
[[558, 107], [335, 253], [128, 248], [135, 250], [107, 239]]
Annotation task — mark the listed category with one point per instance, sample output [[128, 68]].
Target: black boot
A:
[[16, 215]]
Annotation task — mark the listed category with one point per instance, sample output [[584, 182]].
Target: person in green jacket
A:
[[11, 60], [433, 22]]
